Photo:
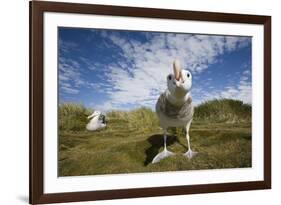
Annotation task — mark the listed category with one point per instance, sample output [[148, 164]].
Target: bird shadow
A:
[[157, 142]]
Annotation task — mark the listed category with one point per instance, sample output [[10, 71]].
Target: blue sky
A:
[[111, 69]]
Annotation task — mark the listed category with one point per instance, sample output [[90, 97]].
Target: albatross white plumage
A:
[[97, 122], [174, 107]]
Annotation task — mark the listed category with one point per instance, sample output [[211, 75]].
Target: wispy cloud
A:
[[140, 75], [242, 91], [67, 46], [123, 69], [90, 64], [67, 88], [70, 77]]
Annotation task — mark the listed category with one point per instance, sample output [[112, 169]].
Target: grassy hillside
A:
[[225, 110], [220, 132]]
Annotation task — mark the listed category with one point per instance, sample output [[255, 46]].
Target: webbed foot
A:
[[162, 155], [190, 154]]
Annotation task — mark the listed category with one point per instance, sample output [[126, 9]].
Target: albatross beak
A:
[[177, 70]]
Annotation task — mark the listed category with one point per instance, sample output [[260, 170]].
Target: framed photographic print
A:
[[138, 102]]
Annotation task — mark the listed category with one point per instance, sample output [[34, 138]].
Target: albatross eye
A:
[[188, 75], [169, 77]]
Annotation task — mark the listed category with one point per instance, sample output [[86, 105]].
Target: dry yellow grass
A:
[[132, 139]]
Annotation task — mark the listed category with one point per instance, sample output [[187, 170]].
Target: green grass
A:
[[226, 110], [131, 140], [72, 117]]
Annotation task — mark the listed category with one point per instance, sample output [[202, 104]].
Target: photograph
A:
[[129, 102], [145, 101]]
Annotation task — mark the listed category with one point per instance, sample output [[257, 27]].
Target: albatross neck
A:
[[177, 101]]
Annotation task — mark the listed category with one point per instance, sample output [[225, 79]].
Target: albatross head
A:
[[179, 83], [95, 114]]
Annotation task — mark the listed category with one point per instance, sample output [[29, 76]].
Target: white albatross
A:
[[97, 122], [174, 107]]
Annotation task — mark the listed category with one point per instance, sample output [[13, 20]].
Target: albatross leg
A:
[[189, 154], [165, 153]]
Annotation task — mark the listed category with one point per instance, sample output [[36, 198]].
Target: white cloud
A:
[[242, 91], [247, 72], [69, 90], [244, 78], [140, 75], [90, 65], [104, 107], [71, 78], [66, 46]]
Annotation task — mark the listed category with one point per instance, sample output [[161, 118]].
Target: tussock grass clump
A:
[[223, 110], [141, 119], [227, 111], [72, 117]]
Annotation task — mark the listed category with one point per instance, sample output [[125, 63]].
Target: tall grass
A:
[[223, 110], [219, 111], [133, 138], [142, 119], [73, 117]]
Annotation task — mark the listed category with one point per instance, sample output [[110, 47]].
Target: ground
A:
[[123, 149]]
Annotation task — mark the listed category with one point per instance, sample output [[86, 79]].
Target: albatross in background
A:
[[174, 107], [97, 122]]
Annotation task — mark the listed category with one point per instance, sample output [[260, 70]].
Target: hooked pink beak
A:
[[177, 70]]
